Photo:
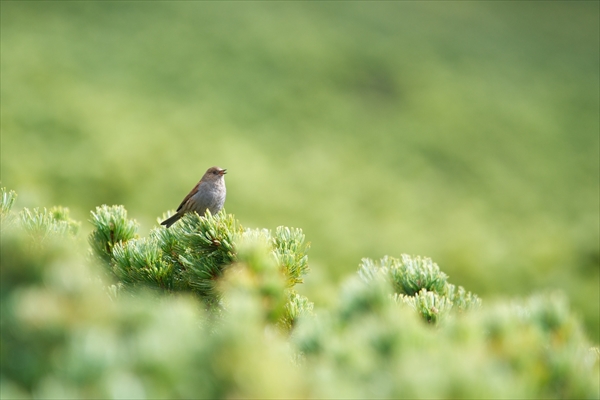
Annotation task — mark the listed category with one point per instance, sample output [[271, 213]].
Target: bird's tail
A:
[[171, 220]]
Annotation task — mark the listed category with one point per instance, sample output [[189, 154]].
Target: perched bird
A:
[[208, 194]]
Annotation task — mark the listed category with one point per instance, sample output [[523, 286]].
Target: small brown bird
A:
[[208, 194]]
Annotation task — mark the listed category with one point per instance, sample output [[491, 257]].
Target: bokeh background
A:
[[467, 132]]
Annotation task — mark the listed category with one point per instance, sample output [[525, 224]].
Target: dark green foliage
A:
[[111, 227], [193, 254], [198, 249], [141, 261]]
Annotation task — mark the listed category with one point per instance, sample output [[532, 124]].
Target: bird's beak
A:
[[223, 172]]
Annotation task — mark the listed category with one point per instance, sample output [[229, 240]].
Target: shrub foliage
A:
[[208, 309]]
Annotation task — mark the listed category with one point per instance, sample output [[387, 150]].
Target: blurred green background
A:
[[463, 131]]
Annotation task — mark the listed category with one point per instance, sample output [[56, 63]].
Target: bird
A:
[[208, 194]]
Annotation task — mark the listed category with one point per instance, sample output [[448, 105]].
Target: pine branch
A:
[[418, 281], [43, 223], [111, 227], [290, 252], [194, 254]]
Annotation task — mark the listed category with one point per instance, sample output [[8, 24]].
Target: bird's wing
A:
[[190, 194]]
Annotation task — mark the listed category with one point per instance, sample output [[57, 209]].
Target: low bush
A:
[[208, 309]]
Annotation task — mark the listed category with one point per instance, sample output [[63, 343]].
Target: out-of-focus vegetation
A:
[[465, 131], [68, 330]]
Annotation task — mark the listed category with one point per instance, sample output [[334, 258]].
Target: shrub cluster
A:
[[193, 255], [208, 310]]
